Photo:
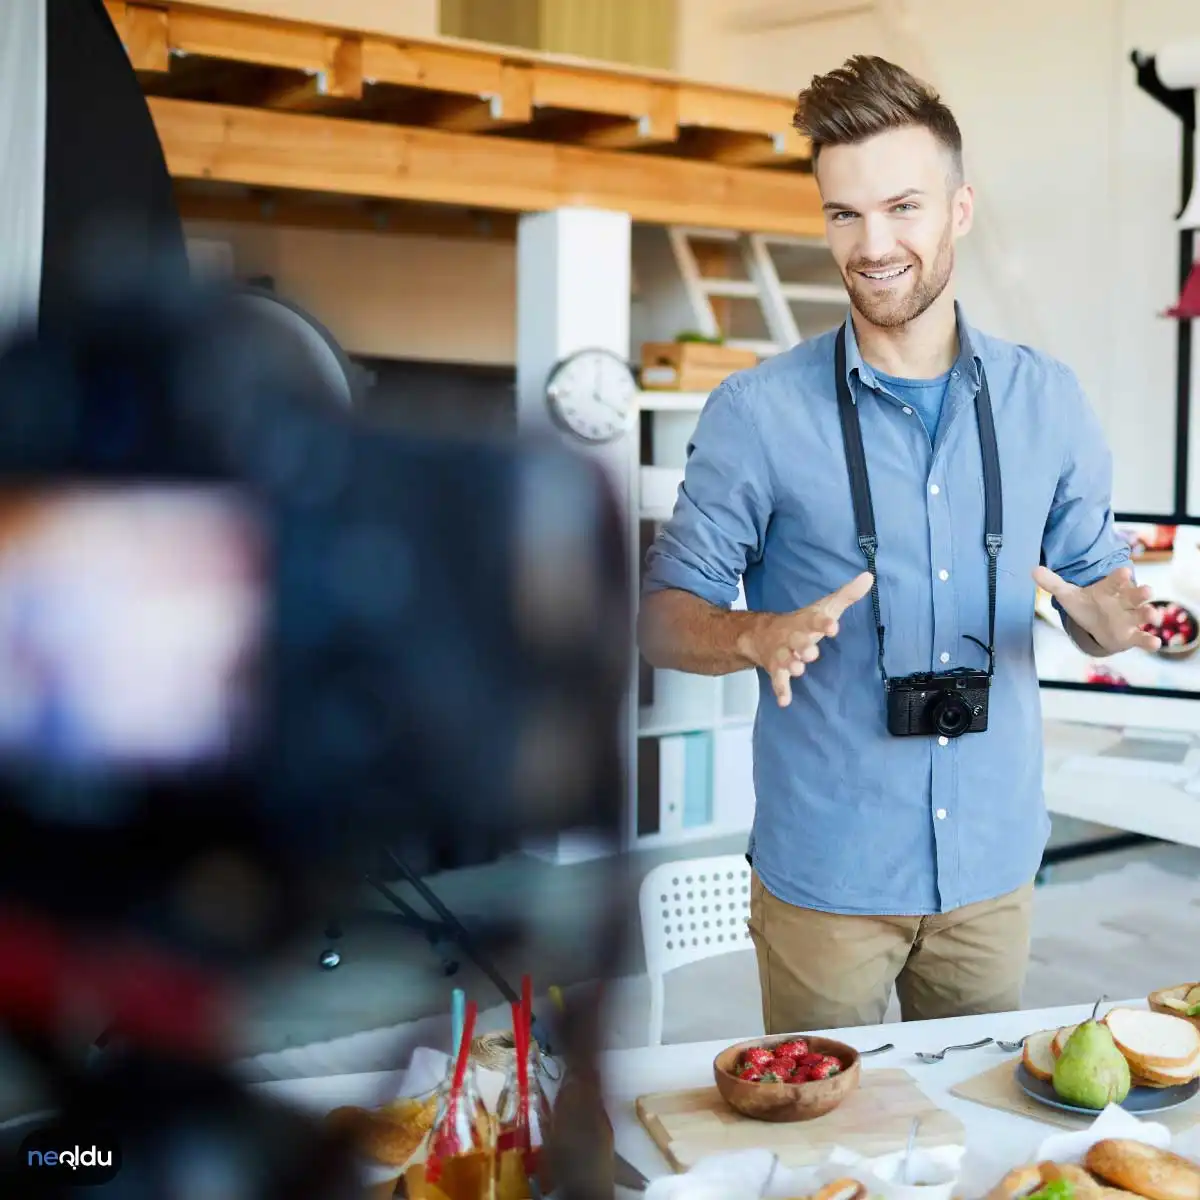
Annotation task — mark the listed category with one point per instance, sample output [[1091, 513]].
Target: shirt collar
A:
[[968, 362]]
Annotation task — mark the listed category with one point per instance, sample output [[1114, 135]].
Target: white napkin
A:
[[747, 1174], [426, 1069], [1113, 1122]]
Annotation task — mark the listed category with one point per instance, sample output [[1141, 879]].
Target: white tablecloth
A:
[[1004, 1138]]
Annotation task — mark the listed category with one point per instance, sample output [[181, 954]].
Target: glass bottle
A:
[[521, 1137], [460, 1162]]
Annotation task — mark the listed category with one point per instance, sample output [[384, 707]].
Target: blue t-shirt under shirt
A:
[[923, 395]]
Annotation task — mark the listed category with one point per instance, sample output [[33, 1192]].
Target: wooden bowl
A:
[[1188, 647], [787, 1101], [1157, 1001]]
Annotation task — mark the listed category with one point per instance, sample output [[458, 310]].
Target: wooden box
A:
[[691, 366]]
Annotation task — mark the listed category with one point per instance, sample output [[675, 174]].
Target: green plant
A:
[[693, 336]]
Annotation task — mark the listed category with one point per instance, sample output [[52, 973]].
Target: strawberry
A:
[[825, 1068], [757, 1057], [750, 1075], [811, 1060], [784, 1064], [794, 1049], [771, 1077]]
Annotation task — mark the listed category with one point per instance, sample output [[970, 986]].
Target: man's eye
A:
[[905, 207], [843, 216]]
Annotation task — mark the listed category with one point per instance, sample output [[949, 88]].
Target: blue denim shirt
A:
[[848, 818]]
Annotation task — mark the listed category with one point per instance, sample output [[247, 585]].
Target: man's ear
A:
[[963, 208]]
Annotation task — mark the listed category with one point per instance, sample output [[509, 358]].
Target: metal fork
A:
[[878, 1050], [928, 1057]]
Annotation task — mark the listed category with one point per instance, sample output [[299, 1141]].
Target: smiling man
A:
[[889, 493]]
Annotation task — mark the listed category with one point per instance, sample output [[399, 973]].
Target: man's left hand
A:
[[1111, 611]]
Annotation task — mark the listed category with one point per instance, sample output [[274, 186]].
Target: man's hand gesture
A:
[[784, 644], [1110, 611]]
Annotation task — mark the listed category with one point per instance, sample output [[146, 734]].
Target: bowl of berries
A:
[[787, 1078], [1176, 625]]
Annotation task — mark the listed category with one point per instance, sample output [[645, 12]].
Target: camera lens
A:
[[951, 715]]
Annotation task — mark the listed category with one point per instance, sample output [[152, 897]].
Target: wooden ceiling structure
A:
[[305, 124]]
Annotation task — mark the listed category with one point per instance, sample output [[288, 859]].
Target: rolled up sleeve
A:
[[1080, 542], [719, 523]]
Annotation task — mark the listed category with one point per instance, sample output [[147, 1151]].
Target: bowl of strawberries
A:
[[1176, 625], [788, 1078]]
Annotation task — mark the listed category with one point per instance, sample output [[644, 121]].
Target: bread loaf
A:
[[1136, 1167]]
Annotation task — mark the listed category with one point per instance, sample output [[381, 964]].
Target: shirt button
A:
[[943, 741], [908, 412], [934, 489], [943, 575], [941, 814], [945, 656]]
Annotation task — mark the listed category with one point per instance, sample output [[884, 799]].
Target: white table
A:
[[1144, 805], [1003, 1136]]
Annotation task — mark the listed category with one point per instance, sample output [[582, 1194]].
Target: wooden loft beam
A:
[[472, 87], [322, 154], [342, 79], [370, 216]]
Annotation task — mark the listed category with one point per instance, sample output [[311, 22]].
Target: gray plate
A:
[[1139, 1100]]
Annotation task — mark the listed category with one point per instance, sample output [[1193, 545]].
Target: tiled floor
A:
[[1117, 924]]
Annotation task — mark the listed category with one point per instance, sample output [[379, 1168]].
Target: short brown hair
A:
[[866, 96]]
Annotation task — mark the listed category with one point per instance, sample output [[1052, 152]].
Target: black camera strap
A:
[[864, 513]]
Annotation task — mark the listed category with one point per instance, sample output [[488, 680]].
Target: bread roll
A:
[[1024, 1181], [389, 1135], [1136, 1167]]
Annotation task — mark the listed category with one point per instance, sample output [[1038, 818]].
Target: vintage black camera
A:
[[942, 703]]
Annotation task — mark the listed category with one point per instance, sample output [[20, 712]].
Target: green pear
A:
[[1091, 1072]]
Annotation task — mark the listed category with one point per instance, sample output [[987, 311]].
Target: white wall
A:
[[388, 295], [1077, 173]]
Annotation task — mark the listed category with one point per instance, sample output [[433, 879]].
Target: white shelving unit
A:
[[692, 774], [691, 771]]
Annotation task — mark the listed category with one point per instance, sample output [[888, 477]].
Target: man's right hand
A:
[[784, 644]]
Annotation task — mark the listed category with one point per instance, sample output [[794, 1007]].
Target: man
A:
[[894, 852]]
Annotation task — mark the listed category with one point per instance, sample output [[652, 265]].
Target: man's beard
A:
[[893, 307]]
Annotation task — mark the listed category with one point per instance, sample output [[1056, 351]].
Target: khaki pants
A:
[[825, 971]]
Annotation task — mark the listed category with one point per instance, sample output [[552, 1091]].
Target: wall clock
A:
[[593, 395]]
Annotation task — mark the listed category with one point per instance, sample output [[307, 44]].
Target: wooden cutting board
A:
[[998, 1088], [875, 1119]]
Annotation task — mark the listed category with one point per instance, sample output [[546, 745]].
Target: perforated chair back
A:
[[691, 910]]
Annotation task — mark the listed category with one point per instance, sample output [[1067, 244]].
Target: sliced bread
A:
[[1171, 1076], [1038, 1057], [1153, 1042], [1060, 1039]]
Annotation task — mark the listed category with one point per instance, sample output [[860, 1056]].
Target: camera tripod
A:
[[445, 933]]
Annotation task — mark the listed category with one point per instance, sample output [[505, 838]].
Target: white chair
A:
[[691, 910]]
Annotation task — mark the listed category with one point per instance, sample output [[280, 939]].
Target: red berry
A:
[[758, 1057], [824, 1069], [771, 1077], [784, 1064], [750, 1074], [793, 1049]]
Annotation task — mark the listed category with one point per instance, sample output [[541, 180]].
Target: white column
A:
[[573, 293]]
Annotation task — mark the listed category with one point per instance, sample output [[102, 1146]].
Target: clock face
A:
[[593, 394]]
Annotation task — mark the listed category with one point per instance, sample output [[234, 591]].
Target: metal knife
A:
[[626, 1175]]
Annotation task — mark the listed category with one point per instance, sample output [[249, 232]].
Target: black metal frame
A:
[[1182, 103], [444, 930]]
